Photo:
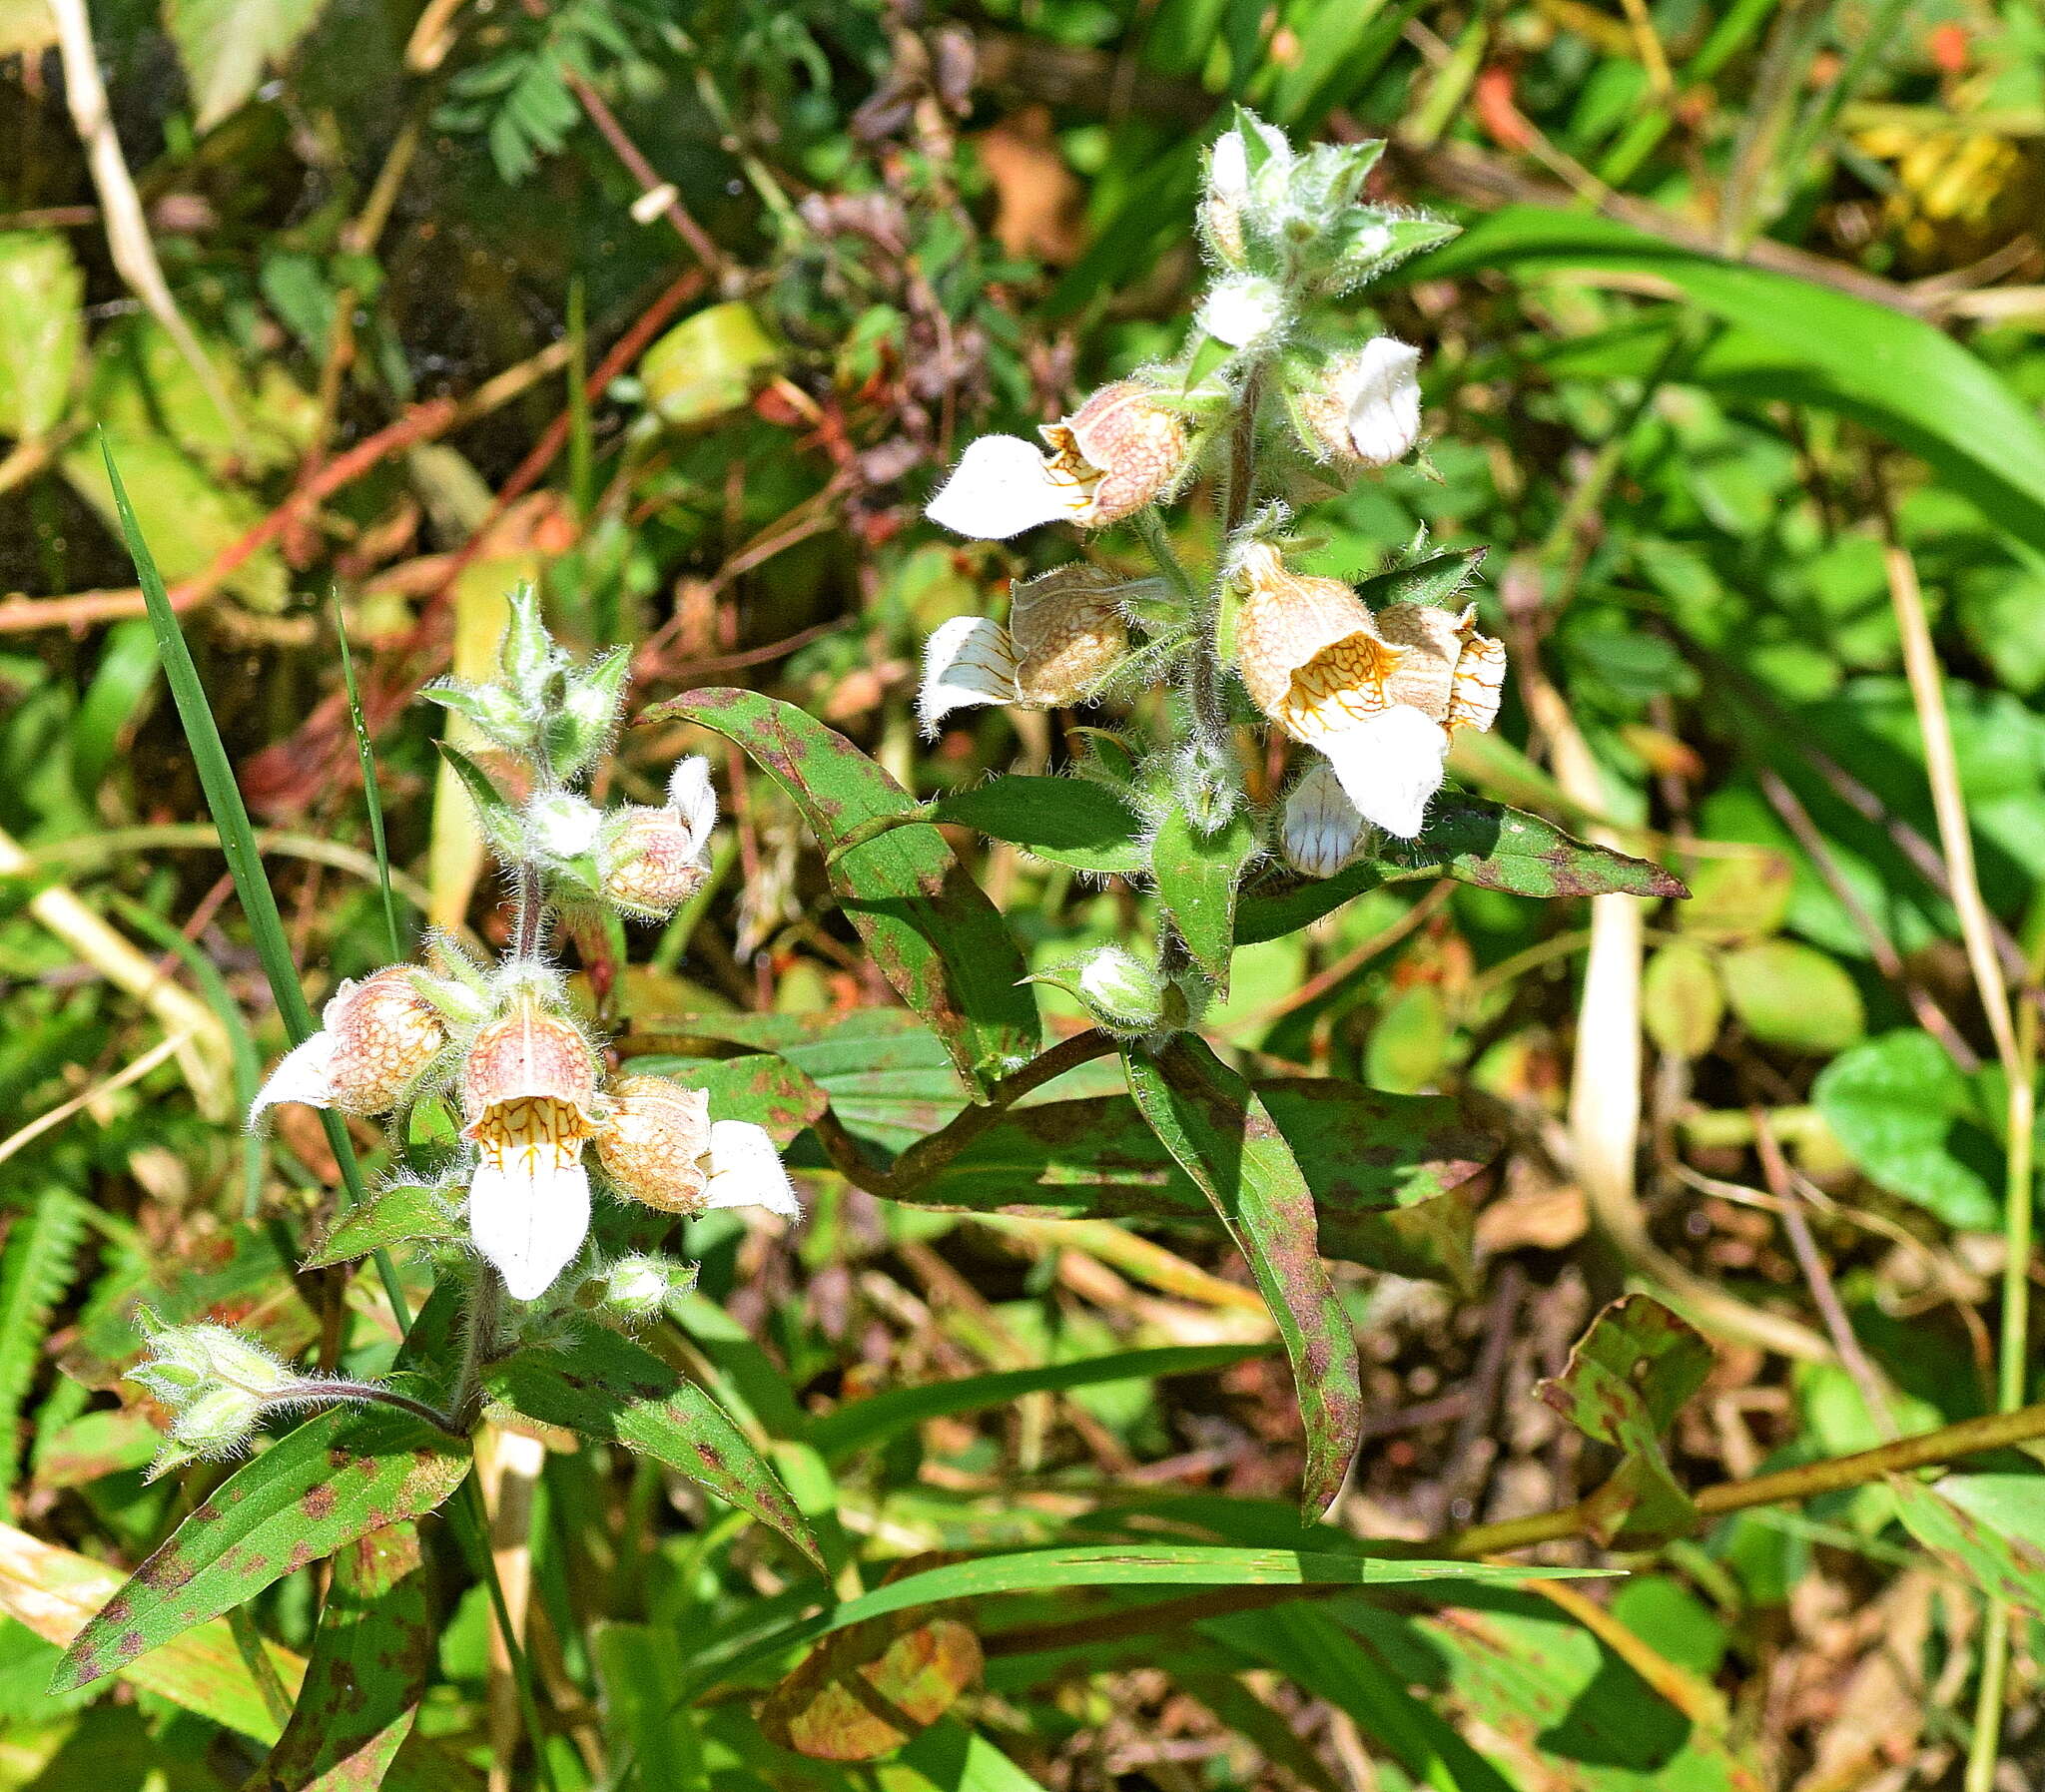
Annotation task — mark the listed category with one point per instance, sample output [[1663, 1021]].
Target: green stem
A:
[[1151, 526], [478, 1343]]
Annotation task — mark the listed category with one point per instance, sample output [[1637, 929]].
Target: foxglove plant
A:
[[1263, 383], [500, 1044]]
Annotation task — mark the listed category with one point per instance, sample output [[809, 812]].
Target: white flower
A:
[[745, 1170], [1231, 188], [1003, 486], [1113, 456], [969, 659], [528, 1211], [1378, 393], [305, 1073], [1322, 827], [1242, 311], [691, 796], [1389, 765]]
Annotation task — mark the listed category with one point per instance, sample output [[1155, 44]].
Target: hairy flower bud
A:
[[217, 1423], [530, 1103], [636, 1288], [652, 859], [654, 1146], [1364, 409], [1119, 990], [1245, 311], [380, 1036]]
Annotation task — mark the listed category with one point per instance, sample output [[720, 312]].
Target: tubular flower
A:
[[1065, 632], [1321, 828], [1366, 411], [1376, 695], [380, 1037], [530, 1103], [659, 1146], [1116, 453], [652, 859]]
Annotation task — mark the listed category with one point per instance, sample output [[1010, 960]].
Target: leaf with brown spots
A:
[[314, 1490], [1223, 1136], [1473, 841], [931, 930], [868, 1689], [606, 1387], [371, 1657], [760, 1087], [1990, 1526], [1626, 1381]]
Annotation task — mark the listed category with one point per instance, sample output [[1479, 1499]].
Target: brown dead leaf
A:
[[1037, 198], [869, 1688]]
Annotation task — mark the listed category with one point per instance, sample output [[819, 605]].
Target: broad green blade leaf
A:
[[1224, 1139], [1626, 1381], [647, 1719], [1196, 877], [1473, 841], [888, 1077], [951, 1758], [1915, 1124], [42, 328], [228, 45], [1123, 1565], [1068, 821], [56, 1593], [931, 930], [333, 1479], [1378, 1165], [1479, 842], [1801, 343], [1311, 1649], [604, 1386], [1990, 1526], [1790, 994], [372, 1655], [1553, 1705], [761, 1087], [879, 1416], [404, 1213]]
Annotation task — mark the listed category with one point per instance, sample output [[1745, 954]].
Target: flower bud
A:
[[1208, 783], [1234, 189], [1321, 828], [654, 1144], [637, 1288], [380, 1036], [1363, 410], [1246, 311], [1130, 444], [651, 862], [562, 824], [218, 1424], [1119, 990]]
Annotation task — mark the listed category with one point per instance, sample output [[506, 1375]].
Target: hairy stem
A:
[[334, 1391], [477, 1341]]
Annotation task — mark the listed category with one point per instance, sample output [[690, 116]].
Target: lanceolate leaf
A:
[[1225, 1140], [1431, 581], [371, 1657], [931, 930], [1473, 841], [607, 1387], [1068, 821], [1378, 1165], [1196, 880], [333, 1479], [401, 1214]]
